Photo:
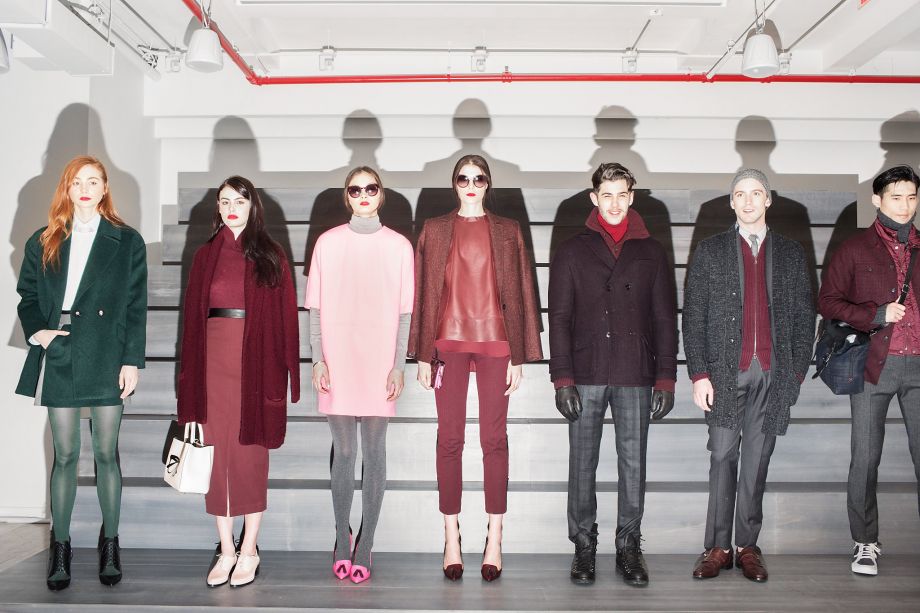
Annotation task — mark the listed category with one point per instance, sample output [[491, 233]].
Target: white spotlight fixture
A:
[[478, 59], [4, 55], [327, 58], [630, 60], [204, 52], [760, 58], [785, 59]]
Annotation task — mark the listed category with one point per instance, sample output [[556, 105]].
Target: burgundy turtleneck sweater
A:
[[227, 284]]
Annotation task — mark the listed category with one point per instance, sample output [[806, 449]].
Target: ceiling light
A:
[[327, 58], [760, 59], [4, 55], [478, 59], [204, 52], [630, 60]]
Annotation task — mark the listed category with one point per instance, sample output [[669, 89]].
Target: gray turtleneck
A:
[[363, 225]]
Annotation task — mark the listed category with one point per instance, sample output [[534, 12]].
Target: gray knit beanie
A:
[[750, 173]]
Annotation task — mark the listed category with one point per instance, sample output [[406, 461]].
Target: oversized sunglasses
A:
[[370, 189], [478, 181]]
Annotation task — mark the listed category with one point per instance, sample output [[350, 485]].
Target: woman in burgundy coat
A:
[[239, 346], [475, 309]]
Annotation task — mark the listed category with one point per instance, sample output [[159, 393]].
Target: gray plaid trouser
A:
[[900, 377], [630, 409]]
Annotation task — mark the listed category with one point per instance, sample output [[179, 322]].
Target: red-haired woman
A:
[[239, 349], [475, 309], [83, 307]]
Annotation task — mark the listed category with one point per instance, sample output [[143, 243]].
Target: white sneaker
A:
[[220, 574], [865, 558]]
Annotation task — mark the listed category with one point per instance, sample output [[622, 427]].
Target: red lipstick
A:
[[232, 217], [471, 194], [85, 198], [365, 203]]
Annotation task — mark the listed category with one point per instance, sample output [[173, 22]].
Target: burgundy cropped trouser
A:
[[491, 373]]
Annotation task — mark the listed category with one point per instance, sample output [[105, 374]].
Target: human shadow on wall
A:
[[472, 124], [76, 126], [234, 151], [361, 134], [615, 136], [755, 141]]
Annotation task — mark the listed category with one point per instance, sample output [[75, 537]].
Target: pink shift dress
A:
[[360, 283]]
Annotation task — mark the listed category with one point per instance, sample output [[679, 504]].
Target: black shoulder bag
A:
[[841, 350]]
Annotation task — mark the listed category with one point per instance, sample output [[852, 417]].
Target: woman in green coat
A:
[[83, 307]]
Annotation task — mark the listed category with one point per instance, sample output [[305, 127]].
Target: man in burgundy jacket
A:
[[613, 338], [861, 287]]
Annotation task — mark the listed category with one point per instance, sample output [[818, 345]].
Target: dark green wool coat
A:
[[109, 319]]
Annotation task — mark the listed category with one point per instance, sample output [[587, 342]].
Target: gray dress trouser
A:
[[740, 493], [630, 409], [900, 377]]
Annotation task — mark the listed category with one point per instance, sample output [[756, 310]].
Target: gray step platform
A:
[[160, 580], [798, 518]]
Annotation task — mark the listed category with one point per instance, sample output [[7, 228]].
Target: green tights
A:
[[65, 432]]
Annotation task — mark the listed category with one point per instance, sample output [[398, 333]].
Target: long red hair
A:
[[60, 215]]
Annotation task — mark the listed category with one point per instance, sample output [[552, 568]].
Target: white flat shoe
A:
[[246, 571], [220, 574]]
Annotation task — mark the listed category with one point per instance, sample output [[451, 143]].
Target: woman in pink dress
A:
[[475, 309], [359, 293]]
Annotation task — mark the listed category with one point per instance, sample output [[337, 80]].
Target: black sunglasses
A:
[[370, 189], [478, 181]]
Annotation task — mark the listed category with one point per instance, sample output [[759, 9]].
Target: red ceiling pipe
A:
[[508, 77]]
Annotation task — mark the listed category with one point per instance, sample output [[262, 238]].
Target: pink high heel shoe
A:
[[359, 573], [342, 568]]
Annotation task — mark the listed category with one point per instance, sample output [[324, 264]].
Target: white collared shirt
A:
[[81, 242], [761, 235]]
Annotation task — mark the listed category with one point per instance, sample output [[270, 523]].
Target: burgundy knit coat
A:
[[270, 350]]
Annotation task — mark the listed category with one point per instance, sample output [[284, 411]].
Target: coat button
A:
[[892, 290], [628, 286], [101, 312], [503, 308], [608, 335], [731, 340], [870, 269], [76, 313]]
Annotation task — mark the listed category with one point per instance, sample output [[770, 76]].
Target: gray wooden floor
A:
[[161, 579]]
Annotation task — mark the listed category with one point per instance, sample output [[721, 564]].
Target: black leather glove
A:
[[568, 402], [662, 403]]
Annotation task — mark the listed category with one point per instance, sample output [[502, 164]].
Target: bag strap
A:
[[905, 288], [194, 433]]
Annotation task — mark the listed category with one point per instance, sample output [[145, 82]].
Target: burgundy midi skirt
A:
[[239, 477]]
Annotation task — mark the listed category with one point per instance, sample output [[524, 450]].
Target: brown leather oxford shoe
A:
[[750, 561], [711, 562]]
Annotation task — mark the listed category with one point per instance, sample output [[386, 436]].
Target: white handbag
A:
[[188, 465]]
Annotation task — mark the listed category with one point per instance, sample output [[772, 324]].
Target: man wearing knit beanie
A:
[[863, 286], [748, 326]]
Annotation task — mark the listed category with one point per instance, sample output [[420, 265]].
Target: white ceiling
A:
[[409, 36]]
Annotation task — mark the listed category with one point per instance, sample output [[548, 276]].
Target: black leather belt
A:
[[231, 313]]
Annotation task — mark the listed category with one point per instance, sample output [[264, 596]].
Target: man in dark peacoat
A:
[[748, 325], [861, 287], [108, 327], [613, 338]]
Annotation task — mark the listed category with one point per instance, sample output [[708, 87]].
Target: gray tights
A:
[[373, 480]]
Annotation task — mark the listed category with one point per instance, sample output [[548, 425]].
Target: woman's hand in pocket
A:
[[44, 337]]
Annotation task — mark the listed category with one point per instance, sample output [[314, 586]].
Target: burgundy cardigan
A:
[[271, 350]]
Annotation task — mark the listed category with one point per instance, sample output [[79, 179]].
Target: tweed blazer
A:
[[513, 274], [108, 327], [860, 278], [712, 319]]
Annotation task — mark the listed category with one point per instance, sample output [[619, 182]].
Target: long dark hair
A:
[[481, 163], [255, 241]]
